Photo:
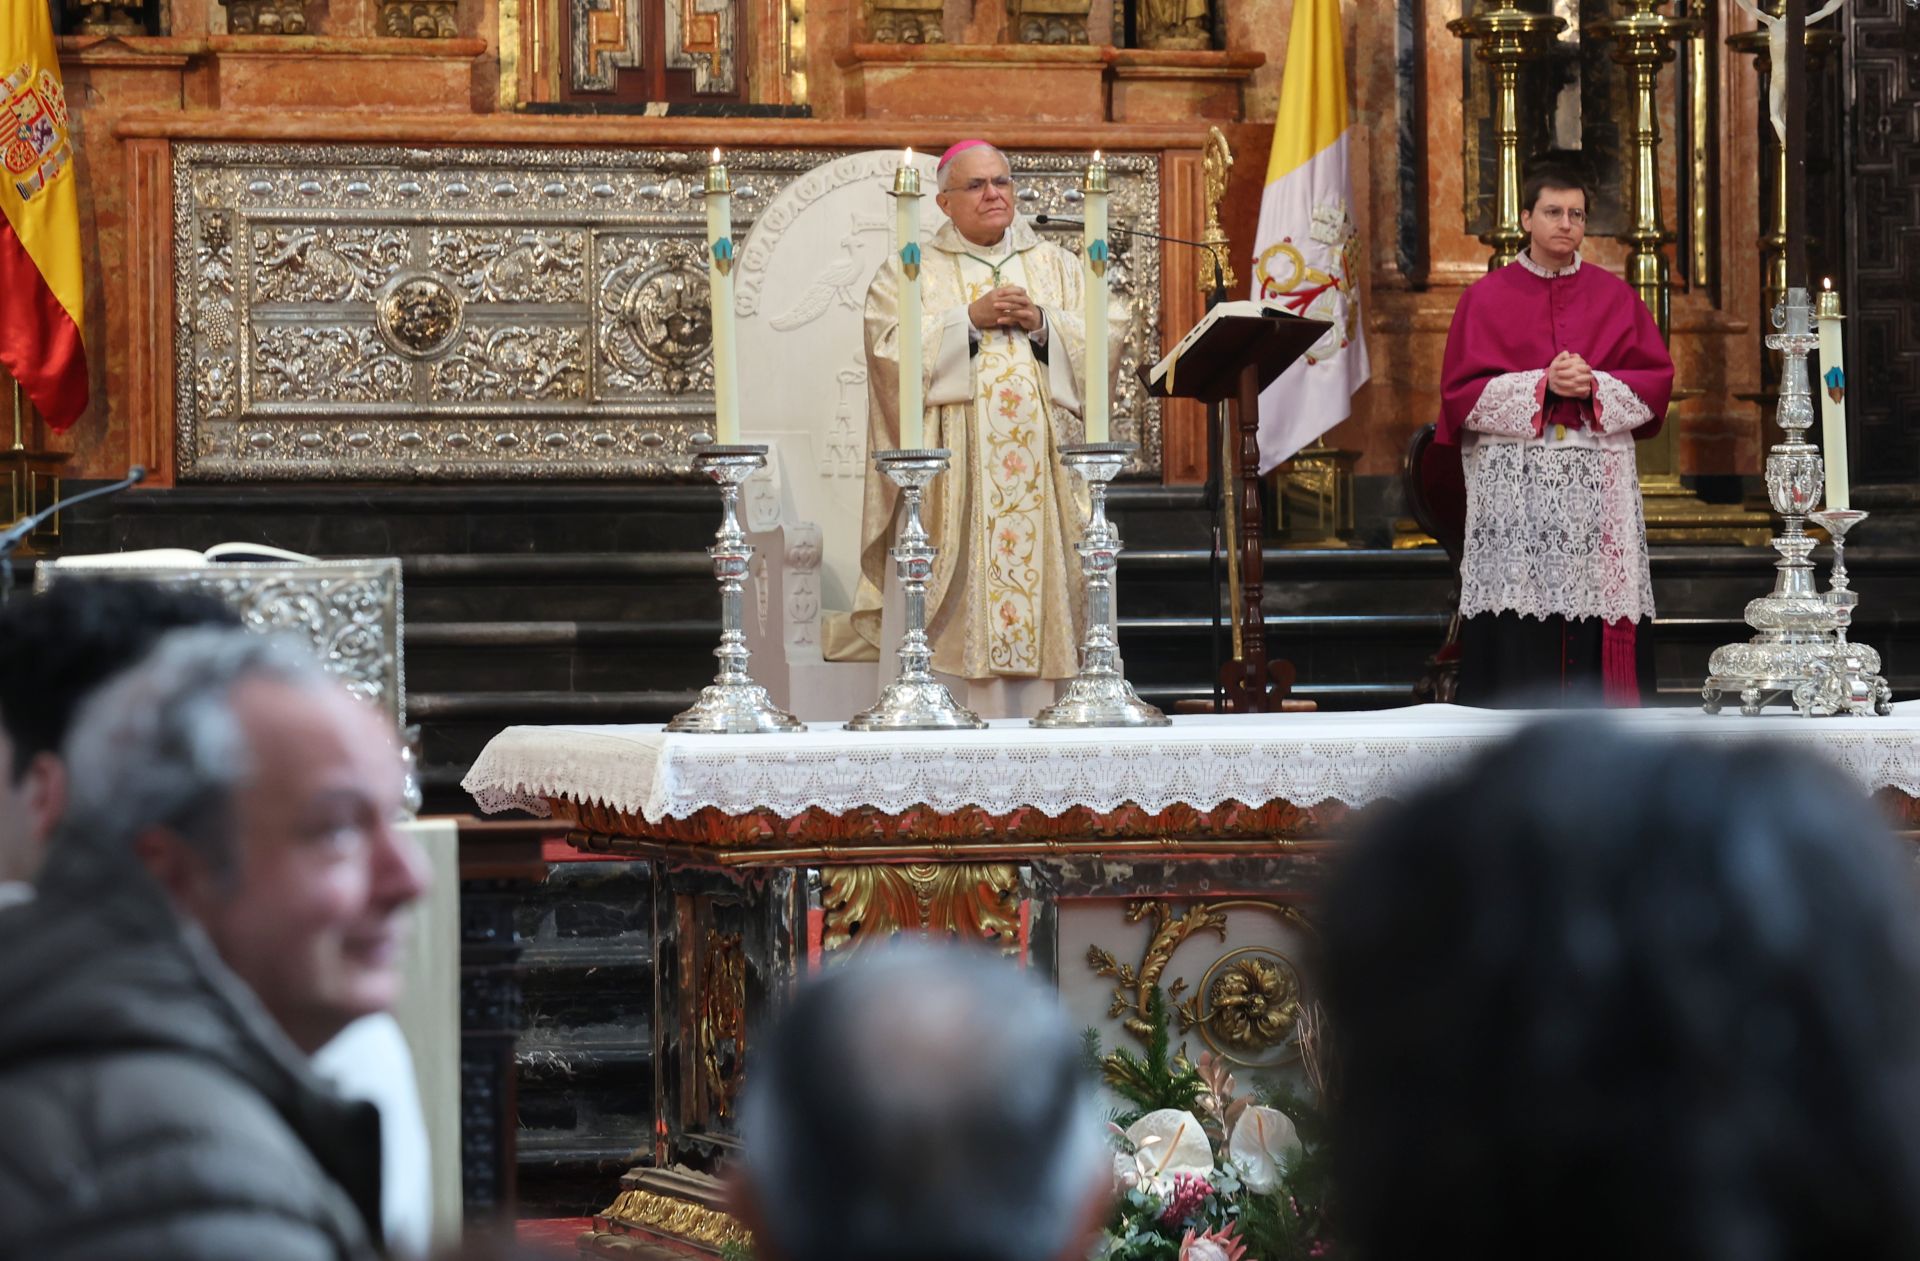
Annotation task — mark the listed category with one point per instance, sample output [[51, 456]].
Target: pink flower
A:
[[1209, 1245], [1184, 1198]]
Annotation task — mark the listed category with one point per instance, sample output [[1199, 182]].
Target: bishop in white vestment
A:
[[1003, 339]]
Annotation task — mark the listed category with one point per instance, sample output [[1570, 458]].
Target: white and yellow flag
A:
[[1305, 251]]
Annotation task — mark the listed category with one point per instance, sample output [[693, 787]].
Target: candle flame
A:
[[1096, 155], [716, 157], [906, 158], [1826, 282]]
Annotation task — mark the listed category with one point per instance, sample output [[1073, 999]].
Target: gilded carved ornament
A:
[[971, 901], [1249, 1003], [906, 21], [1050, 21], [1172, 24], [721, 1030]]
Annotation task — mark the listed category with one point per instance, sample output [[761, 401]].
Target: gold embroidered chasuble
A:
[[1004, 600]]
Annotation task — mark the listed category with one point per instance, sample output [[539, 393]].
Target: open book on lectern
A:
[[1233, 335]]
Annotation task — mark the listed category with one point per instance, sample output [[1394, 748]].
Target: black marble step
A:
[[584, 1058], [565, 656], [401, 520]]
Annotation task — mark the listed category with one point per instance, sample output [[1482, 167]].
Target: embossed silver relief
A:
[[511, 264], [581, 346], [513, 364], [305, 263], [656, 329], [298, 363]]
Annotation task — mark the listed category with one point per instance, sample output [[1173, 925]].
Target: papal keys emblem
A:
[[36, 129]]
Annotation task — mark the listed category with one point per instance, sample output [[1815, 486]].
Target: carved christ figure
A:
[[1777, 53]]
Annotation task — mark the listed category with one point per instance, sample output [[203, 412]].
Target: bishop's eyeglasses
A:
[[1554, 214], [973, 188]]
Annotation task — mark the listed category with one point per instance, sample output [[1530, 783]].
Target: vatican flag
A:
[[40, 279], [1304, 251]]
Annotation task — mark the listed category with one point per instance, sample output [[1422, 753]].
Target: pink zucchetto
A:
[[956, 151]]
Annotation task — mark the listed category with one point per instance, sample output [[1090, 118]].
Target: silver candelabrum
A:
[[1800, 649], [733, 703], [1099, 695], [915, 701]]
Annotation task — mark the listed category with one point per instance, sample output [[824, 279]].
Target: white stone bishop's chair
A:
[[800, 293]]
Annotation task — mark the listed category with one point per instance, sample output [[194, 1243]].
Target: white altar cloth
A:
[[1202, 761]]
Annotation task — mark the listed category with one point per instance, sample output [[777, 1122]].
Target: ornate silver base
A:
[[1800, 651], [915, 701], [733, 704], [1099, 695]]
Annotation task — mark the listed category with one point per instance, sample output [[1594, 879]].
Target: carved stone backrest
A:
[[801, 305], [348, 610]]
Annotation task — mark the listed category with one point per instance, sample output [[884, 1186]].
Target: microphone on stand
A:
[[1214, 299], [17, 533], [1215, 423]]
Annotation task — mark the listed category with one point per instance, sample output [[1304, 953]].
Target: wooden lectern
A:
[[1234, 353]]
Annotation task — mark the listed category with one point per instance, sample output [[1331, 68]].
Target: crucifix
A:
[[1787, 108]]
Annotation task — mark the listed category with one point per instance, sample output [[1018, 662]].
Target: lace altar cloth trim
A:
[[1201, 762]]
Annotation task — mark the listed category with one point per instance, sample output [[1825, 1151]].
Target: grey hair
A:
[[924, 1103], [160, 745], [945, 182]]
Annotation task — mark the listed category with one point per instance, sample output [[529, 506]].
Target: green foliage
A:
[[735, 1251], [1160, 1079]]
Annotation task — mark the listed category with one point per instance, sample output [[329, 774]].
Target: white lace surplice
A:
[[1553, 521]]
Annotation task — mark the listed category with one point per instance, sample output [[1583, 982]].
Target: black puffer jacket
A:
[[149, 1106]]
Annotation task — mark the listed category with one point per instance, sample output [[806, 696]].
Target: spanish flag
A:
[[41, 285], [1306, 257]]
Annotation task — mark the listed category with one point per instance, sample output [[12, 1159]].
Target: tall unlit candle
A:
[[906, 221], [1833, 397], [1093, 261], [726, 387]]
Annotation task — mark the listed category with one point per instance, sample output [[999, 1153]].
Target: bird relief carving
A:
[[844, 281]]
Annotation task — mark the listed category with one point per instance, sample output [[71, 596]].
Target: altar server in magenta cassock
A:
[[1554, 367], [1003, 348]]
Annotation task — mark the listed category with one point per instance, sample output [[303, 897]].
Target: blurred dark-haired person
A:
[[55, 649], [1671, 1010], [922, 1104], [1554, 367], [227, 892]]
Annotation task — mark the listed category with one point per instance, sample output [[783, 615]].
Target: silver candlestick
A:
[[733, 703], [1099, 695], [915, 701], [1849, 681], [1795, 647]]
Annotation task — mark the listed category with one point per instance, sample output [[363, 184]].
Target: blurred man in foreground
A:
[[922, 1105], [226, 893], [1669, 1010], [55, 649]]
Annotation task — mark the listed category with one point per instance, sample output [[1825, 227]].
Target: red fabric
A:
[[1619, 669], [39, 343], [1514, 321]]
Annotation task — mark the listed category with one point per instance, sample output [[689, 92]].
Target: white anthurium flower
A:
[[1169, 1142], [1262, 1143]]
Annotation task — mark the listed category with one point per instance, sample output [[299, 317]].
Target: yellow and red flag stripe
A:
[[42, 341]]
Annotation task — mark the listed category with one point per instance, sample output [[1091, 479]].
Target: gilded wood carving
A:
[[971, 901]]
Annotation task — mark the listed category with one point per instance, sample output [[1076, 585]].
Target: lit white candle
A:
[[1833, 396], [726, 391], [1093, 255], [906, 223]]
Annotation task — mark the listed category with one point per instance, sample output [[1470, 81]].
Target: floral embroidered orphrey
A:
[[1004, 600]]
